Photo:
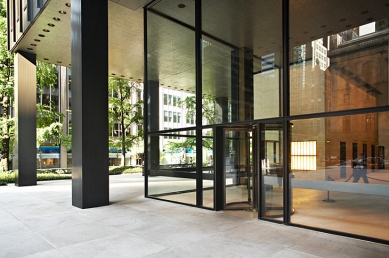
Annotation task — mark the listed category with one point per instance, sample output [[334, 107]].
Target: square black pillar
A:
[[89, 34], [153, 123], [24, 160], [242, 79]]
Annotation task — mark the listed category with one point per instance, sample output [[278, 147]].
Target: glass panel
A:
[[171, 69], [338, 61], [172, 173], [241, 60], [238, 169], [272, 171], [182, 11], [208, 168], [340, 173]]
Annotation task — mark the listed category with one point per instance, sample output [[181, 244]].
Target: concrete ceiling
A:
[[255, 25], [51, 43]]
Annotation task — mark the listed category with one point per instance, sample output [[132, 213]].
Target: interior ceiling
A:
[[256, 25]]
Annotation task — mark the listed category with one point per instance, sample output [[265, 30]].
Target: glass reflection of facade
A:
[[283, 109]]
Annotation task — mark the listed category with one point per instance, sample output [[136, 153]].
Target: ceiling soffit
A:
[[50, 39]]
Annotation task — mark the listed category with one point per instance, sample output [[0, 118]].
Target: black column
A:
[[153, 124], [221, 110], [199, 109], [242, 84], [89, 34], [219, 156], [24, 160]]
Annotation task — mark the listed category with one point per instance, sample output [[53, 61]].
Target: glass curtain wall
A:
[[208, 168], [171, 99], [241, 60], [335, 129], [339, 62]]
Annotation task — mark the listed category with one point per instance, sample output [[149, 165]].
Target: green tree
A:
[[6, 91], [49, 120], [208, 113], [125, 112]]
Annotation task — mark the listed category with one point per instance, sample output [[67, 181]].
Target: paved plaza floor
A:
[[39, 221]]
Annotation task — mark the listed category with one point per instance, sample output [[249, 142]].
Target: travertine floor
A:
[[39, 221]]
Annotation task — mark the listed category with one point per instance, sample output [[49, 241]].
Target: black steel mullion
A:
[[145, 105], [258, 157], [285, 109], [199, 94]]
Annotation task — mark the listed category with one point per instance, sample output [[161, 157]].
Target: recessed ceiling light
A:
[[169, 86], [370, 19], [34, 45], [181, 6], [41, 35], [50, 24], [349, 25], [68, 4], [30, 48], [131, 78], [139, 79], [162, 84], [70, 64], [305, 32], [342, 20], [62, 12], [121, 75], [59, 62], [311, 37], [323, 26], [37, 40], [113, 73], [45, 59], [56, 19], [330, 31], [46, 30]]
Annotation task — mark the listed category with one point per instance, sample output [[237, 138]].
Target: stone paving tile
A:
[[39, 221], [22, 244]]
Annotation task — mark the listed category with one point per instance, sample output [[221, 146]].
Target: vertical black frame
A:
[[286, 111], [145, 106], [199, 94]]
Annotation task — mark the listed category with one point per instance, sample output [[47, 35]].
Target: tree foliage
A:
[[49, 120], [46, 75], [125, 110], [6, 91], [208, 114], [48, 124]]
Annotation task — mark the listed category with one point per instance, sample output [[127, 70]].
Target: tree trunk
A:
[[123, 135], [5, 140]]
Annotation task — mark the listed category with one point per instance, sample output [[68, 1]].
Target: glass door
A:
[[271, 156], [238, 169]]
